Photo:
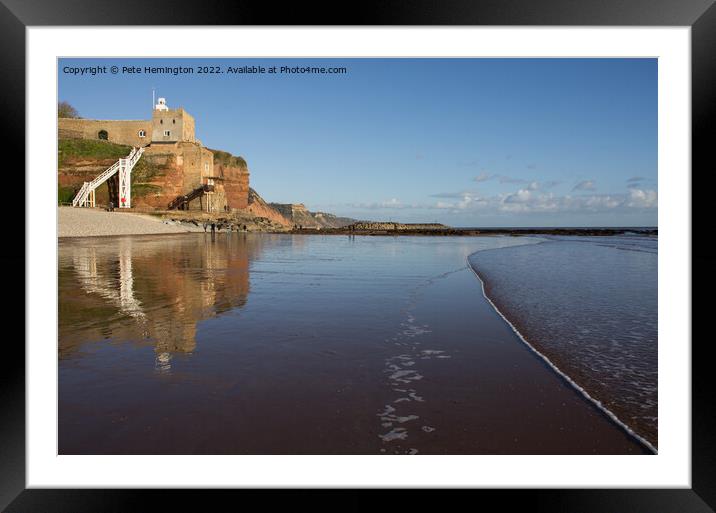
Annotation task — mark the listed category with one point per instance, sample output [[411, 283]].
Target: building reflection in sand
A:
[[150, 289]]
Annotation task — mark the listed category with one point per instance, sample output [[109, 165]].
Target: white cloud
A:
[[534, 200], [521, 196], [639, 198], [585, 185], [467, 199], [526, 200]]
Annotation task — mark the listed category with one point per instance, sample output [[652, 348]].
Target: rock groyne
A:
[[390, 226]]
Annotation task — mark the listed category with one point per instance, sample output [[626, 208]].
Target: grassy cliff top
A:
[[89, 149], [94, 149], [226, 159], [82, 160]]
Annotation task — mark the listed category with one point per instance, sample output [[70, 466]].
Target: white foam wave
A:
[[569, 380]]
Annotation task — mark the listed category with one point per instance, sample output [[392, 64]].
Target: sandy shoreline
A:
[[598, 404], [427, 365], [85, 222]]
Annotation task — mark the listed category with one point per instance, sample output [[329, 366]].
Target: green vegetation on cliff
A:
[[78, 149], [74, 155], [226, 159], [65, 194], [142, 189], [145, 170]]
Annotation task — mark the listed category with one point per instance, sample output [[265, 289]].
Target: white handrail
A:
[[129, 161]]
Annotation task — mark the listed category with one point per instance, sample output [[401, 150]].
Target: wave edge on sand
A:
[[556, 369]]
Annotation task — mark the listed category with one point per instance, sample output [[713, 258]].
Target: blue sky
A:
[[466, 142]]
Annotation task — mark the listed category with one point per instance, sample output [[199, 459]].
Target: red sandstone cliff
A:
[[234, 175], [161, 175], [299, 215], [260, 208], [162, 186], [236, 185]]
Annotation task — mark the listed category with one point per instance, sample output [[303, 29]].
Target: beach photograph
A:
[[357, 256]]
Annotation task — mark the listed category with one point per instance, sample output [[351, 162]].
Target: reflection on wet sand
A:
[[346, 346], [153, 289]]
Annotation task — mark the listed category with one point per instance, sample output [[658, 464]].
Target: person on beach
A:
[[213, 227]]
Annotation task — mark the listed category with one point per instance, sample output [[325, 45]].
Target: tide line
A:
[[549, 362]]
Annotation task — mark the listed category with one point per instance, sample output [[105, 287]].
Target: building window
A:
[[167, 133], [174, 121], [103, 135], [206, 166], [142, 133], [161, 121]]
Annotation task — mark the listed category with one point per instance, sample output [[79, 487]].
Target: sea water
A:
[[288, 344], [590, 305]]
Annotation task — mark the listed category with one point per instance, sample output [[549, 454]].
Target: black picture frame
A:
[[700, 15]]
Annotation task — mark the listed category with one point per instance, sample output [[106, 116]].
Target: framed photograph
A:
[[417, 251]]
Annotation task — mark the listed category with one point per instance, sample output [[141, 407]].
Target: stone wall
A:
[[188, 127], [211, 202], [196, 161], [178, 122], [118, 131]]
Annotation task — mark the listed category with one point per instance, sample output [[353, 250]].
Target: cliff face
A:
[[330, 221], [236, 185], [234, 173], [160, 187], [166, 172], [260, 208], [155, 181], [299, 215], [160, 176]]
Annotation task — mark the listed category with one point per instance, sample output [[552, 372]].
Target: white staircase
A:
[[124, 166]]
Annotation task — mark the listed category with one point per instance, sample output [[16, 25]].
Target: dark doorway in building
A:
[[103, 135]]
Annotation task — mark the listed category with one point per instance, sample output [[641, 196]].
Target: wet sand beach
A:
[[605, 335], [290, 344]]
